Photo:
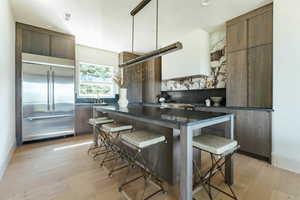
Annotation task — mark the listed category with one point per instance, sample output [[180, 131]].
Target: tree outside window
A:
[[96, 81]]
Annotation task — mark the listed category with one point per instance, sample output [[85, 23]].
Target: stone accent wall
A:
[[218, 76]]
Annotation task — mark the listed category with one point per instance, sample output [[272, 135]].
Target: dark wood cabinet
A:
[[35, 42], [82, 115], [253, 132], [44, 42], [133, 78], [237, 79], [237, 36], [261, 29], [143, 81], [62, 47], [151, 80], [260, 61], [250, 66]]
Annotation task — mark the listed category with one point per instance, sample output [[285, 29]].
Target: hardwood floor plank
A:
[[62, 170]]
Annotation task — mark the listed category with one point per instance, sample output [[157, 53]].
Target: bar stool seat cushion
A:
[[116, 127], [100, 120], [214, 144], [143, 139]]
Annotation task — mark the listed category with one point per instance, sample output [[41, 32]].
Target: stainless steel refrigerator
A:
[[47, 100]]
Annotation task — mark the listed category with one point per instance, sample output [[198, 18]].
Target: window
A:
[[96, 81]]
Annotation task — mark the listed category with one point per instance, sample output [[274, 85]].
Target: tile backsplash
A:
[[218, 76]]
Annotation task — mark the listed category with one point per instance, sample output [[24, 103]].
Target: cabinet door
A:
[[133, 78], [151, 80], [261, 29], [83, 114], [35, 42], [260, 62], [134, 83], [62, 47], [237, 79], [253, 132], [237, 36]]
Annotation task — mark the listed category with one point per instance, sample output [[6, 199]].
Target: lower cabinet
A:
[[83, 114], [253, 130]]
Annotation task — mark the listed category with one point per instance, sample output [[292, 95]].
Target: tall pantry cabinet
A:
[[250, 59]]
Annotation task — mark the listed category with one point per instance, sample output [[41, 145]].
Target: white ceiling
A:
[[106, 24]]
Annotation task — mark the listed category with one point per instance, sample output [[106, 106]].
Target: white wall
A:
[[95, 56], [7, 88], [193, 59], [286, 118]]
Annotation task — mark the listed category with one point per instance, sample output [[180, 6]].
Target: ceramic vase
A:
[[123, 101]]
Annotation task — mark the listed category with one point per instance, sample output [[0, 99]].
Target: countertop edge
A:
[[178, 124], [220, 107]]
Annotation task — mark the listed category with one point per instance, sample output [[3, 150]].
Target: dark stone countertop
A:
[[220, 107], [235, 108], [170, 117]]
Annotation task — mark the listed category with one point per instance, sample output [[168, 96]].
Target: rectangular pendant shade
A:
[[153, 54]]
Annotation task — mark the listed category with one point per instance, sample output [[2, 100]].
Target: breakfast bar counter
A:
[[182, 124]]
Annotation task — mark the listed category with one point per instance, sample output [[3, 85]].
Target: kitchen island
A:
[[179, 127]]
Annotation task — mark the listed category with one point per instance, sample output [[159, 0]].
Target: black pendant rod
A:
[[132, 35], [153, 54], [156, 36], [139, 7]]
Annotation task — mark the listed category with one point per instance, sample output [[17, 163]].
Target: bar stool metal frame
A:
[[96, 133], [111, 142], [135, 159], [216, 166]]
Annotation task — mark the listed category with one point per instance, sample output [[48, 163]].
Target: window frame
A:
[[95, 83]]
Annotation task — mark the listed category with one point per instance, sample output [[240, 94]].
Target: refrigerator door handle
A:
[[53, 94], [48, 92], [48, 117]]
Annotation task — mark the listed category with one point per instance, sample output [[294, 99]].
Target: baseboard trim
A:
[[8, 158], [286, 163], [263, 158]]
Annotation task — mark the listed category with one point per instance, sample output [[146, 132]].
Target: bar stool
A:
[[138, 141], [218, 148], [111, 133], [95, 122]]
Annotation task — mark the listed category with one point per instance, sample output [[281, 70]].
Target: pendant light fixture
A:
[[205, 2], [153, 54]]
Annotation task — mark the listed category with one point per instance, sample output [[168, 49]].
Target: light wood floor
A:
[[62, 170]]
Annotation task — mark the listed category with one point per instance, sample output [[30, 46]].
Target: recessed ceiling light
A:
[[67, 16], [205, 2]]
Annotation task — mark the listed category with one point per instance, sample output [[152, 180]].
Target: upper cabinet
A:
[[46, 43], [261, 29], [250, 59], [192, 59], [35, 42], [62, 47], [237, 36]]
